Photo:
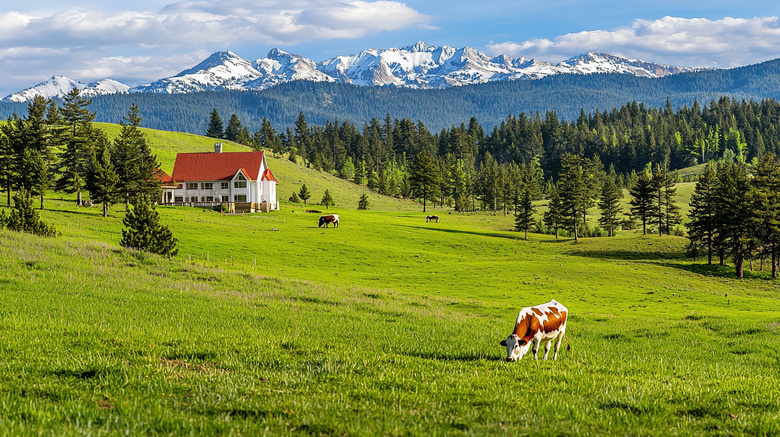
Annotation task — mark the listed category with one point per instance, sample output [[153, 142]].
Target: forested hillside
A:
[[490, 103]]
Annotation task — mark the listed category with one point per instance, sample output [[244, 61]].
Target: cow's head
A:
[[516, 347], [322, 222]]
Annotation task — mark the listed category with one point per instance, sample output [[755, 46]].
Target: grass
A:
[[386, 325], [265, 324]]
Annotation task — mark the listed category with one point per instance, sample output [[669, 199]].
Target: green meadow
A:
[[265, 324]]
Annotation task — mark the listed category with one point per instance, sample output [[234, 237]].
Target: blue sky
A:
[[144, 40]]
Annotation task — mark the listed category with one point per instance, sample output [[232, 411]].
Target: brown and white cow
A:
[[327, 219], [540, 323], [430, 218]]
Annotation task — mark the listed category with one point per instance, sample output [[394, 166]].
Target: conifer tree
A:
[[524, 212], [327, 200], [703, 225], [574, 191], [609, 204], [216, 128], [304, 193], [294, 198], [642, 207], [554, 215], [233, 129], [735, 212], [766, 204], [424, 177], [80, 139], [363, 203], [102, 180], [143, 230], [133, 160], [24, 218]]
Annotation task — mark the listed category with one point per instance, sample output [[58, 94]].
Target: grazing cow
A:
[[327, 219], [541, 323], [430, 218]]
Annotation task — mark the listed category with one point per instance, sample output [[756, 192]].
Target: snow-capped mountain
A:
[[417, 66], [60, 86]]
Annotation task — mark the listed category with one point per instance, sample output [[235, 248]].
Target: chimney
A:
[[217, 147]]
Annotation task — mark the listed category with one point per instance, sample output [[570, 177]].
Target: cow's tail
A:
[[568, 345]]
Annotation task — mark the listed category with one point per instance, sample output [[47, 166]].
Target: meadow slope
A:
[[265, 324]]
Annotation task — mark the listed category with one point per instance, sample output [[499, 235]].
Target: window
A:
[[179, 186], [192, 185], [209, 198], [225, 185], [240, 198], [239, 184], [178, 199], [208, 186], [225, 198], [203, 199], [194, 199]]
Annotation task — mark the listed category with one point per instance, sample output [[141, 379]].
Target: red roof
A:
[[163, 177], [268, 176], [216, 166]]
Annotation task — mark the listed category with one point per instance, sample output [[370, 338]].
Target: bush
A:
[[144, 232], [24, 218]]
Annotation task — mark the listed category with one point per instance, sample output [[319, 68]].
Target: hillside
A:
[[265, 323]]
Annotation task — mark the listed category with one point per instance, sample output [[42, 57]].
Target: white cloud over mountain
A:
[[724, 43]]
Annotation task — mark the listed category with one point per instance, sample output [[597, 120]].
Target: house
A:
[[241, 181]]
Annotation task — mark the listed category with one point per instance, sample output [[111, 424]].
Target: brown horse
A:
[[327, 219], [431, 218]]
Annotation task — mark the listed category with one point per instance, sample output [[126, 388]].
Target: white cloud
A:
[[696, 42]]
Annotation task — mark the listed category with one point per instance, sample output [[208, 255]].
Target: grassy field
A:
[[265, 324]]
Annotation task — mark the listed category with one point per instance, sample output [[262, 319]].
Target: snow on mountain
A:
[[417, 66], [221, 70], [104, 87], [57, 86]]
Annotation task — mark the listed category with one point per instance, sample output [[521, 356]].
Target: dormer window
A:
[[240, 181]]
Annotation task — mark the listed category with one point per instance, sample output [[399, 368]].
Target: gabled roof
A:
[[268, 176], [163, 177], [216, 166]]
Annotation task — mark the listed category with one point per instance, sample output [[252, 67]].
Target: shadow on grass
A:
[[443, 356], [721, 271], [519, 236], [627, 255]]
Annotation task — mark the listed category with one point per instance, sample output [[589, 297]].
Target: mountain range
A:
[[419, 66]]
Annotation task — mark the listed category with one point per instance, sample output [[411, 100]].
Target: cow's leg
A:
[[536, 348], [547, 348], [558, 342]]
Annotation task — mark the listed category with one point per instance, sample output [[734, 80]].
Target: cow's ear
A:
[[503, 343], [522, 342]]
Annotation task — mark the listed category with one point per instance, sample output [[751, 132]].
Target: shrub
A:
[[24, 218], [144, 232]]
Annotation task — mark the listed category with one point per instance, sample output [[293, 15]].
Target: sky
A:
[[144, 40]]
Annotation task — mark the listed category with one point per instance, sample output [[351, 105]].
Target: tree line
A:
[[58, 148]]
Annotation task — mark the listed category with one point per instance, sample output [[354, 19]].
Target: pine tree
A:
[[102, 180], [609, 204], [703, 226], [233, 129], [294, 198], [24, 218], [37, 170], [327, 200], [143, 230], [642, 207], [363, 203], [574, 191], [766, 204], [554, 215], [524, 213], [80, 139], [735, 212], [133, 160], [216, 127], [666, 212], [304, 193], [424, 178]]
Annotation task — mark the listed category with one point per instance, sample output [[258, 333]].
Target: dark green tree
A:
[[642, 207], [574, 190], [133, 160], [233, 129], [735, 212], [143, 230], [424, 177], [304, 193], [24, 218], [609, 204], [216, 128], [702, 227], [363, 203], [102, 180], [766, 205], [79, 141], [554, 216], [524, 213], [294, 198], [327, 200]]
